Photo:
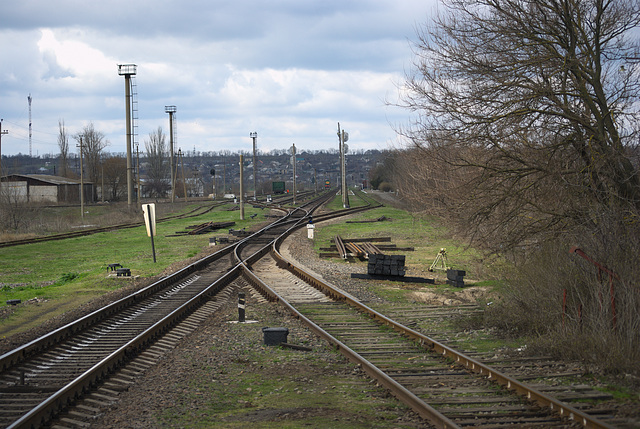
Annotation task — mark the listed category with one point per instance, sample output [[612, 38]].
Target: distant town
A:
[[207, 174]]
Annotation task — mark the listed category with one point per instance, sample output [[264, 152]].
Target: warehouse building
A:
[[44, 188]]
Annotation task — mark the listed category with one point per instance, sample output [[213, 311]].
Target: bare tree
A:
[[158, 174], [525, 130], [93, 143], [115, 177], [537, 101], [63, 145]]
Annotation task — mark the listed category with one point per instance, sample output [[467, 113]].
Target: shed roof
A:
[[47, 178]]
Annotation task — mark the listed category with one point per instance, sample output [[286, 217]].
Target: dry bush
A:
[[585, 327], [385, 187]]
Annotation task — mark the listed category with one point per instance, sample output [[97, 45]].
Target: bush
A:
[[565, 303], [385, 187]]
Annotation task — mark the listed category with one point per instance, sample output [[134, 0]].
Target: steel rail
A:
[[73, 234], [68, 393], [64, 397], [471, 364], [20, 353], [399, 391]]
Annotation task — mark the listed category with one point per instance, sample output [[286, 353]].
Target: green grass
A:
[[425, 234], [80, 264]]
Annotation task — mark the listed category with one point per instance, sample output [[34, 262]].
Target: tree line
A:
[[524, 137]]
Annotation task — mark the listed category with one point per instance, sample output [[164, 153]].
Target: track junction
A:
[[41, 379]]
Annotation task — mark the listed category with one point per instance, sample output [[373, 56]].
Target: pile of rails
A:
[[361, 248], [204, 228]]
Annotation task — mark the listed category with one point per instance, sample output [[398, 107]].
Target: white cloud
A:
[[73, 58], [288, 69]]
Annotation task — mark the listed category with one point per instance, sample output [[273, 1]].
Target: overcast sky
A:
[[289, 70]]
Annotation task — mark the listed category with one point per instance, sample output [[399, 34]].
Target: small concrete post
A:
[[241, 306]]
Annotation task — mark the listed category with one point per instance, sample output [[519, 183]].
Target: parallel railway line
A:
[[41, 378], [200, 210], [443, 385], [449, 388]]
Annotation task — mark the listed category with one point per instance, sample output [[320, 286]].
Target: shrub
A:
[[566, 305], [385, 187]]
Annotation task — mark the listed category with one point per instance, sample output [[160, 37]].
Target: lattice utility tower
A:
[[129, 71], [29, 99], [171, 110]]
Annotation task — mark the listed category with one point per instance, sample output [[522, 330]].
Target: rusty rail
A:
[[472, 365]]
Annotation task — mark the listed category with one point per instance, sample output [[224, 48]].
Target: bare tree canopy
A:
[[93, 143], [537, 101], [158, 163], [115, 178], [63, 145]]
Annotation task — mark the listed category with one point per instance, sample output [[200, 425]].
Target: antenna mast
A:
[[29, 99]]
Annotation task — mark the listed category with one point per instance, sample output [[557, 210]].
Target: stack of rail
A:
[[203, 228], [361, 250]]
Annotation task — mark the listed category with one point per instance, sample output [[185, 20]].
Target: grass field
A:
[[67, 273], [425, 234]]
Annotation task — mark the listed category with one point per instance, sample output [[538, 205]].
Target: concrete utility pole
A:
[[81, 182], [138, 173], [171, 110], [224, 176], [29, 99], [342, 138], [128, 70], [184, 182], [293, 161], [254, 136], [241, 187], [2, 132]]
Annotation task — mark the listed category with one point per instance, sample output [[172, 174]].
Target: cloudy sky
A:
[[288, 69]]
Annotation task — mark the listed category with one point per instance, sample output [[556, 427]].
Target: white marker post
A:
[[241, 307], [149, 211]]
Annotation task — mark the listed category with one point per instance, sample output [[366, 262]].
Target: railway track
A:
[[41, 378], [445, 386], [192, 213]]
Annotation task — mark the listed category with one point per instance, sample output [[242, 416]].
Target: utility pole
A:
[[342, 138], [293, 161], [184, 182], [171, 110], [2, 132], [81, 181], [102, 177], [224, 176], [241, 187], [128, 70], [138, 172], [254, 136], [29, 100]]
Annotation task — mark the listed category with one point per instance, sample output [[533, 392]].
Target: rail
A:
[[472, 365]]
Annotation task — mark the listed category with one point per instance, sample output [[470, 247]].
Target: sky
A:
[[290, 70]]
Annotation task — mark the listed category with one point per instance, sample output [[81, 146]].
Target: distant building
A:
[[44, 188]]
